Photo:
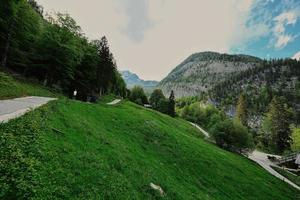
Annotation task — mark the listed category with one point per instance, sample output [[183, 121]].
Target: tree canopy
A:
[[54, 50]]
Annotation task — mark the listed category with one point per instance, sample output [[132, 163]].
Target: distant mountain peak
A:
[[133, 79]]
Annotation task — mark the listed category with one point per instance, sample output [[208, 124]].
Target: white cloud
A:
[[283, 40], [281, 21], [297, 56], [151, 37], [138, 18]]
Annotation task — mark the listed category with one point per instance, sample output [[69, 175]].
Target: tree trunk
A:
[[100, 92], [7, 45]]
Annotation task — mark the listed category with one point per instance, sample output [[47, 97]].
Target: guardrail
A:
[[287, 158]]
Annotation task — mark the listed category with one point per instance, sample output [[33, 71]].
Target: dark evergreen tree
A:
[[171, 109], [279, 117], [138, 96], [241, 110], [156, 97]]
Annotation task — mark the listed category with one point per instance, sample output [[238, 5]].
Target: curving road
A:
[[206, 134], [114, 102], [262, 159], [13, 108]]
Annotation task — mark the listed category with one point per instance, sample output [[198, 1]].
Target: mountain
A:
[[202, 71], [221, 78], [132, 79]]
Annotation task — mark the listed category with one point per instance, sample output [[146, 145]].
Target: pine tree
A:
[[280, 116], [172, 104], [156, 97], [242, 110]]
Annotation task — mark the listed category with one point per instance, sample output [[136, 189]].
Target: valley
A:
[[218, 126]]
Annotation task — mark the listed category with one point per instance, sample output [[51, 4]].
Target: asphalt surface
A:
[[114, 102], [13, 108], [262, 159]]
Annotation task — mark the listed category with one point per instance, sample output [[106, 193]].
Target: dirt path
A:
[[13, 108]]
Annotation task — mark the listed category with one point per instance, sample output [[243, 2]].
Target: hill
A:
[[202, 71], [132, 79], [74, 150], [11, 87]]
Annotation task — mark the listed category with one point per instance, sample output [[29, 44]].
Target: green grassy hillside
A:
[[74, 150], [11, 88]]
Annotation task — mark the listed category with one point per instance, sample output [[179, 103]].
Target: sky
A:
[[151, 37]]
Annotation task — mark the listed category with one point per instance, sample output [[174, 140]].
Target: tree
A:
[[279, 116], [231, 135], [61, 52], [156, 97], [54, 51], [241, 138], [8, 13], [295, 146], [171, 109], [241, 110], [138, 96], [105, 67]]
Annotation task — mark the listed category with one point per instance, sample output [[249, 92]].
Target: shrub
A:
[[137, 95]]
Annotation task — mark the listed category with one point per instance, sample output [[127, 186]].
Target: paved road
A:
[[262, 159], [13, 108], [114, 102], [203, 131]]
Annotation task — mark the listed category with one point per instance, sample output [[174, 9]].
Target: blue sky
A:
[[281, 38]]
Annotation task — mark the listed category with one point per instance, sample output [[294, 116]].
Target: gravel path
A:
[[13, 108]]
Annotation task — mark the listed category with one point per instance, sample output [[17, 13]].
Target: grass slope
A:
[[74, 150], [294, 178], [11, 88]]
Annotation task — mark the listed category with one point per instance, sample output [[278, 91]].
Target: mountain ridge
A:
[[133, 79], [201, 71]]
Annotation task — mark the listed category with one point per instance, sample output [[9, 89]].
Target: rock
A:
[[158, 188]]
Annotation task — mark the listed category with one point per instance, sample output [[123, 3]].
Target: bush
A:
[[163, 106], [231, 135], [155, 99], [137, 95], [228, 134]]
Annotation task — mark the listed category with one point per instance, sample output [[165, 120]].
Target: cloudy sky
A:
[[151, 37]]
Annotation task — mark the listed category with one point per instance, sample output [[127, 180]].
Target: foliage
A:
[[228, 134], [295, 146], [138, 96], [277, 125], [171, 107], [241, 110], [11, 88], [97, 151], [156, 97], [54, 51]]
